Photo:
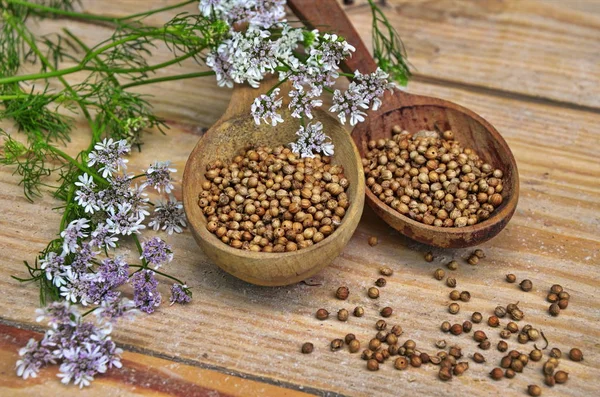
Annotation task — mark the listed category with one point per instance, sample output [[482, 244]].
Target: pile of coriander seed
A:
[[271, 200], [432, 179]]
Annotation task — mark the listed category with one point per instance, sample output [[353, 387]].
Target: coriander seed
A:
[[415, 361], [454, 295], [445, 327], [396, 330], [386, 312], [563, 304], [497, 373], [467, 326], [342, 293], [380, 325], [354, 346], [456, 329], [343, 315], [502, 346], [511, 278], [455, 352], [526, 285], [505, 334], [465, 296], [336, 344], [367, 354], [349, 338], [556, 289], [445, 374], [500, 311], [372, 365], [429, 257], [380, 282], [460, 368], [476, 317], [479, 336], [549, 380], [512, 327], [536, 355], [452, 265], [373, 241], [549, 368], [451, 282], [564, 295], [473, 260], [359, 311], [391, 339], [509, 373], [440, 344], [561, 377], [505, 362], [401, 363], [555, 352], [534, 390], [380, 336], [386, 271], [307, 348], [453, 308], [485, 345], [552, 298], [554, 309], [374, 344], [373, 293], [493, 321], [517, 315], [576, 354], [439, 274], [533, 334], [517, 365], [478, 358], [322, 314], [522, 338]]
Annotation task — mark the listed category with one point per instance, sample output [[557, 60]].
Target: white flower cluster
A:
[[263, 13], [311, 140]]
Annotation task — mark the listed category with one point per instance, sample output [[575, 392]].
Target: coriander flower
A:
[[303, 103], [349, 105], [265, 107], [158, 175], [156, 252], [34, 356], [123, 221], [145, 291], [112, 310], [311, 139], [85, 196], [109, 155], [371, 86], [169, 216], [81, 363], [58, 314], [54, 267], [328, 51], [74, 231], [102, 237], [180, 293], [264, 13]]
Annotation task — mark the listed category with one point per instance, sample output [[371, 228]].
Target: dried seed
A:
[[342, 293], [564, 295], [478, 358], [415, 361], [374, 344], [549, 380], [454, 295], [322, 314], [533, 334], [561, 377], [386, 312], [493, 321], [440, 344], [576, 354], [342, 315], [556, 289], [512, 327], [479, 336], [555, 353], [522, 338], [445, 327], [380, 282], [502, 346], [473, 260], [359, 311], [381, 325], [367, 354], [460, 368], [497, 373], [455, 352], [511, 278], [548, 368], [509, 373], [476, 317], [391, 339], [563, 304], [445, 374], [554, 309], [453, 308], [465, 296], [467, 326], [452, 265], [505, 334], [372, 365], [536, 355], [500, 311], [451, 282], [479, 253], [439, 274], [429, 257], [485, 345], [354, 346], [456, 329], [534, 390], [349, 338], [373, 241], [373, 293], [396, 330], [517, 365], [307, 348], [401, 363], [336, 344], [386, 271], [552, 298], [526, 285]]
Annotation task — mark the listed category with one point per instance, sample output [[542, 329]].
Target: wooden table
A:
[[530, 67]]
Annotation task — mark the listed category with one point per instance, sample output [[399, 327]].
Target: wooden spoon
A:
[[235, 131], [413, 113]]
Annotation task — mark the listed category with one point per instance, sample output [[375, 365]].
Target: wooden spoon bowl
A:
[[414, 113], [235, 131]]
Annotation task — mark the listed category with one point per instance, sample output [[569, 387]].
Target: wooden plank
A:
[[141, 374]]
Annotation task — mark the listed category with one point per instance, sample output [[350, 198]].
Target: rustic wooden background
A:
[[530, 67]]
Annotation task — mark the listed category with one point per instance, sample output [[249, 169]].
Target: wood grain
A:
[[256, 332]]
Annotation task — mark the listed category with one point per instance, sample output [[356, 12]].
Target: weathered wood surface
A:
[[541, 96]]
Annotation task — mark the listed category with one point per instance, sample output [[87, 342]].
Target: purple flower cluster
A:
[[180, 294], [83, 348], [169, 216], [156, 252], [145, 291], [110, 156], [264, 13], [158, 175]]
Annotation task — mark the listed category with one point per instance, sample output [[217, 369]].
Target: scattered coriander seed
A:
[[493, 321], [534, 390], [451, 282], [410, 344], [555, 353], [533, 334], [575, 354], [453, 308], [386, 271], [349, 338], [381, 335], [554, 309], [386, 312], [374, 344], [396, 330], [425, 358], [391, 339], [465, 296], [429, 257], [561, 377], [439, 274], [536, 355], [342, 293], [415, 361], [500, 311], [478, 358], [440, 344], [372, 365], [511, 307], [307, 348], [373, 293], [454, 295], [336, 344], [452, 265], [467, 326], [373, 241], [473, 260], [456, 329], [485, 345], [435, 360], [517, 315], [497, 373], [322, 314], [445, 374], [564, 295], [505, 362], [505, 334], [522, 338], [479, 336], [548, 368], [476, 317], [511, 278], [378, 356], [359, 311], [342, 315], [553, 361], [512, 327], [460, 368], [526, 285], [367, 354], [445, 327], [563, 304], [479, 253], [509, 373], [380, 282], [354, 346], [549, 380], [552, 297], [556, 289], [502, 346], [381, 325], [524, 358], [393, 349], [401, 363], [517, 365], [455, 352]]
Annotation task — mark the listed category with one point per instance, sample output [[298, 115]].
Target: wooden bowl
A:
[[237, 130], [425, 113]]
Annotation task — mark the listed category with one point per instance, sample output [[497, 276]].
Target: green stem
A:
[[79, 165], [328, 90], [140, 250], [350, 75], [168, 78], [89, 311], [160, 273], [156, 11], [65, 13], [146, 68], [276, 85]]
